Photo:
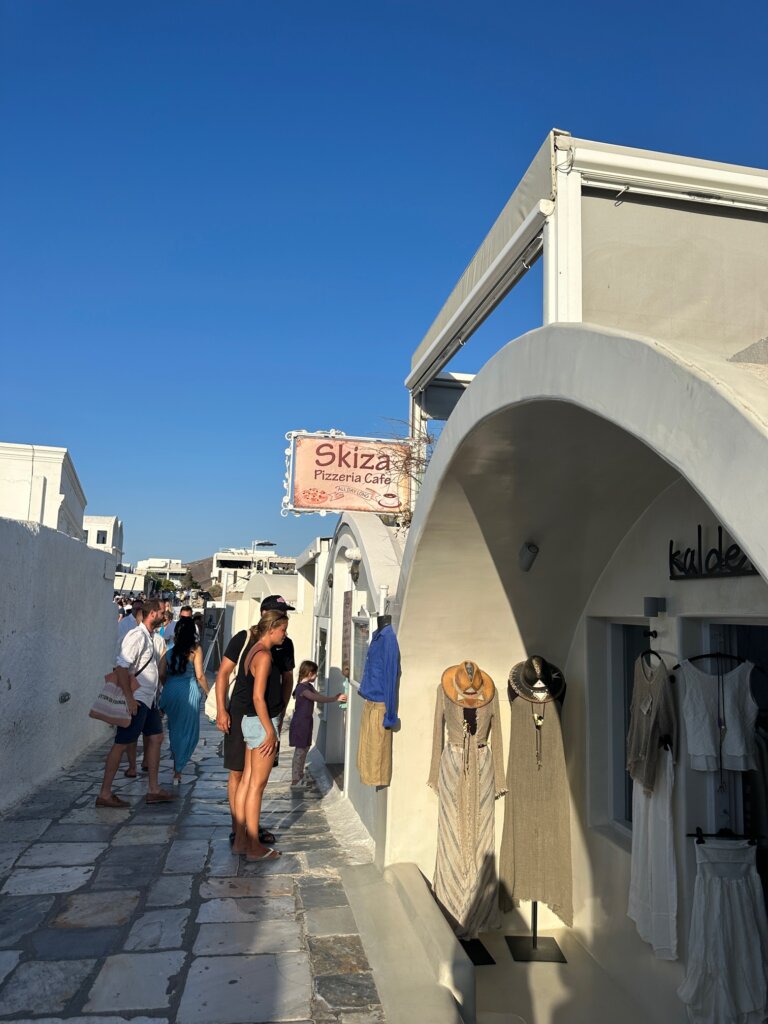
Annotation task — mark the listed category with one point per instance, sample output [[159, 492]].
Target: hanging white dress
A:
[[653, 878], [701, 715], [727, 977]]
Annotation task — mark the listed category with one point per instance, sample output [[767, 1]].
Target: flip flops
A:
[[269, 855], [130, 773], [266, 837], [112, 801]]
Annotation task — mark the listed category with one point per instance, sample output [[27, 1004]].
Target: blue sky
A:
[[224, 220]]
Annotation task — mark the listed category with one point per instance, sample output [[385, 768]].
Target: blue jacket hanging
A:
[[382, 668]]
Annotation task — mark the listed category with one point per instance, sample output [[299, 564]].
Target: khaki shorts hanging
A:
[[374, 751]]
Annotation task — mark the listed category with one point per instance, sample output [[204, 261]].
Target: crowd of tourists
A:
[[159, 667]]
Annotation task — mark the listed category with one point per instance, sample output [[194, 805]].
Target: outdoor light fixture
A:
[[653, 606], [329, 581], [354, 556], [527, 556]]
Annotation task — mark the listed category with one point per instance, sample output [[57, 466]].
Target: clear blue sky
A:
[[224, 220]]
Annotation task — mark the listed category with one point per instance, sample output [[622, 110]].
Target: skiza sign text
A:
[[350, 474]]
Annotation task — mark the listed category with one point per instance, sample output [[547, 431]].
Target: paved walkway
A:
[[110, 915]]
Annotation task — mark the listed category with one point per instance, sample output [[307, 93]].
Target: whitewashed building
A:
[[599, 488], [38, 484], [169, 568], [236, 565], [105, 533]]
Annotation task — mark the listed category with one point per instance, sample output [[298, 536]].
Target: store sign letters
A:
[[699, 563], [352, 474]]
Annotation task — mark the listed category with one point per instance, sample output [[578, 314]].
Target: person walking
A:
[[131, 620], [184, 688], [141, 657]]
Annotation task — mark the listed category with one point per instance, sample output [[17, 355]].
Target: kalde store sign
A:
[[334, 473]]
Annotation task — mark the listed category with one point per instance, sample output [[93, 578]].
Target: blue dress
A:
[[180, 699]]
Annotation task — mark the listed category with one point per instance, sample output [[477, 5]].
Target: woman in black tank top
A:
[[267, 705]]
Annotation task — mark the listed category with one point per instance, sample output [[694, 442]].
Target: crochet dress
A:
[[535, 858], [468, 775]]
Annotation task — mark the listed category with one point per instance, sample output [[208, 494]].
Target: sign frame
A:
[[401, 495]]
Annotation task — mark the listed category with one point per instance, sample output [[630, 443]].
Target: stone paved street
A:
[[109, 915]]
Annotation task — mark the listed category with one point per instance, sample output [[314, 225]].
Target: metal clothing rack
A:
[[724, 833]]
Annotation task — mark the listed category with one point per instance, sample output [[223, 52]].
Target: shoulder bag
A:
[[211, 711]]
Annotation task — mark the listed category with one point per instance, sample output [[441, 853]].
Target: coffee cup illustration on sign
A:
[[389, 500]]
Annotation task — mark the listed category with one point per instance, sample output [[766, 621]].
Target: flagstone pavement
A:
[[145, 915]]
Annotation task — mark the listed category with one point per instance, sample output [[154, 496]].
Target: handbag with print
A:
[[110, 705]]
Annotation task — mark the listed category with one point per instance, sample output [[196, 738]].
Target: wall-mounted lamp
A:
[[527, 556], [354, 571], [653, 606], [329, 580]]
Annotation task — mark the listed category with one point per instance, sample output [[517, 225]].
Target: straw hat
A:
[[467, 685]]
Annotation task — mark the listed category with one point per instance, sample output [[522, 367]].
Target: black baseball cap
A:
[[276, 603]]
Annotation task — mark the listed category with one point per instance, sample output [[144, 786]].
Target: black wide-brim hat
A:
[[526, 674]]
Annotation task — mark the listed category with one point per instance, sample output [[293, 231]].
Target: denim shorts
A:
[[253, 730]]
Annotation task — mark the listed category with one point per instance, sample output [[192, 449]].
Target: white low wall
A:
[[58, 631]]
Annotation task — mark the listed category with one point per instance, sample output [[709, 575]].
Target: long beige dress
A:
[[468, 775], [535, 859]]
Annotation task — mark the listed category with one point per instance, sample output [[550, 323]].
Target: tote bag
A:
[[110, 705]]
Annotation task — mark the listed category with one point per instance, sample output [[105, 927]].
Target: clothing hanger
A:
[[714, 654], [650, 651], [718, 654], [723, 833]]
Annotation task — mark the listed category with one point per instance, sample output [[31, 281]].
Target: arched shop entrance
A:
[[600, 448]]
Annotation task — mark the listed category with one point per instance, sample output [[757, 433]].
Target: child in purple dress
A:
[[300, 731]]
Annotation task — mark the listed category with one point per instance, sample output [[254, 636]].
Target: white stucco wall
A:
[[58, 631], [337, 731]]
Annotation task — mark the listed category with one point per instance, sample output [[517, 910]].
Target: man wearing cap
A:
[[229, 720]]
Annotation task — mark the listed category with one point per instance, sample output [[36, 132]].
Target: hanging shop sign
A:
[[702, 563], [330, 472]]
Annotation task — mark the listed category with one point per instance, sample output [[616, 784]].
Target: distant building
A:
[[38, 484], [169, 568], [241, 563], [127, 582], [104, 533]]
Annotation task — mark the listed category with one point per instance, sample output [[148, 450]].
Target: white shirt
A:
[[140, 650], [124, 626]]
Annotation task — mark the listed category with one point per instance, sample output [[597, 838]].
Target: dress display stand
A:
[[537, 791]]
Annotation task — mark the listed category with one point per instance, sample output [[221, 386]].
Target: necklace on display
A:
[[539, 683], [538, 721]]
